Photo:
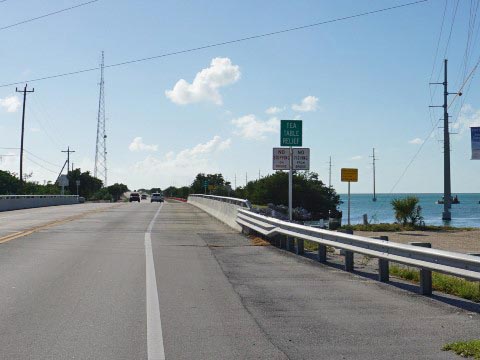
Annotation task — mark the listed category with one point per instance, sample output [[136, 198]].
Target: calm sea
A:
[[465, 214]]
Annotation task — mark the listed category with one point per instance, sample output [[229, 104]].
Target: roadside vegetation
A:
[[385, 227], [311, 193], [448, 284], [90, 187], [407, 210], [465, 349]]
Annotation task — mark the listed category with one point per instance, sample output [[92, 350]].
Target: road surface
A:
[[151, 281]]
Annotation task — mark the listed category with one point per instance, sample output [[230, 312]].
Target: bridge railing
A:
[[426, 259], [240, 202], [15, 202]]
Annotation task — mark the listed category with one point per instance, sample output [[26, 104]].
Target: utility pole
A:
[[68, 151], [258, 174], [447, 190], [24, 91], [330, 172], [373, 163]]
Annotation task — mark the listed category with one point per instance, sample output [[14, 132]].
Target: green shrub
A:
[[407, 210]]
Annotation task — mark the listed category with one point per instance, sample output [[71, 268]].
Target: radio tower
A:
[[100, 171]]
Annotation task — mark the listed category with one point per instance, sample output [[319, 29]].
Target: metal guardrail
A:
[[9, 197], [240, 202], [427, 259]]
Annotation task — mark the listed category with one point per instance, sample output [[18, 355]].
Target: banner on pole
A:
[[475, 143]]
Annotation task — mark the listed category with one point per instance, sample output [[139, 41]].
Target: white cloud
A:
[[468, 117], [357, 157], [138, 145], [274, 110], [416, 141], [250, 127], [310, 103], [184, 164], [206, 85], [10, 104]]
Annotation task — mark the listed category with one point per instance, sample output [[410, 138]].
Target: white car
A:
[[156, 197]]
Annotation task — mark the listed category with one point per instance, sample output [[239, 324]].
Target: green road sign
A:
[[291, 133]]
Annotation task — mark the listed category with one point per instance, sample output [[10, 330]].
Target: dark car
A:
[[134, 196], [144, 196]]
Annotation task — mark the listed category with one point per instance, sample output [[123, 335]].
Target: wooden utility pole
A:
[[24, 91], [68, 151]]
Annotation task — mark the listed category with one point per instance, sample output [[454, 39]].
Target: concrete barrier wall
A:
[[15, 202], [224, 211]]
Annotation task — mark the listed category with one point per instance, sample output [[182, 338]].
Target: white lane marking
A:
[[154, 322]]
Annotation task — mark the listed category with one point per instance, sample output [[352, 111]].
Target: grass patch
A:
[[387, 227], [465, 348], [448, 284]]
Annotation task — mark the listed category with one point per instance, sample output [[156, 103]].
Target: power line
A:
[[221, 43], [46, 15], [470, 75]]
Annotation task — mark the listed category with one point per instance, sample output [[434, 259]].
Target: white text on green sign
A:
[[291, 133]]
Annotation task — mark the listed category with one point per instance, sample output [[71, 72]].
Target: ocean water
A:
[[465, 214]]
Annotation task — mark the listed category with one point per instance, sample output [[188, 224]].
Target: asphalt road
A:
[[142, 281]]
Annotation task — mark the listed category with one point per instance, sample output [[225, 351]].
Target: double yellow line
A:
[[50, 224]]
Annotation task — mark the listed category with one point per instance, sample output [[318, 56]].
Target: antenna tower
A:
[[100, 171]]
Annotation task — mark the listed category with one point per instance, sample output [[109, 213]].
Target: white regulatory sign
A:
[[281, 159], [301, 158], [63, 180]]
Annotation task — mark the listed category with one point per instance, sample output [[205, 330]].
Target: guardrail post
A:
[[348, 254], [383, 267], [322, 253], [300, 247], [425, 275], [290, 243]]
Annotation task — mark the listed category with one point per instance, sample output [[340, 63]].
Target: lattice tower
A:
[[100, 171]]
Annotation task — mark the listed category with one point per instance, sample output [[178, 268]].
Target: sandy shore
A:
[[460, 241]]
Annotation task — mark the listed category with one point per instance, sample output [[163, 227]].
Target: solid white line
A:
[[154, 322]]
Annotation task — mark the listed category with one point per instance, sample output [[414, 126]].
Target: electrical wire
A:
[[40, 165], [220, 43], [470, 76], [47, 15]]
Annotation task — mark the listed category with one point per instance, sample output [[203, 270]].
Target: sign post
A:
[[205, 185], [349, 175], [290, 135], [78, 184]]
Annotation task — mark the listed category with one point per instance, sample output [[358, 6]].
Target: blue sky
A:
[[356, 84]]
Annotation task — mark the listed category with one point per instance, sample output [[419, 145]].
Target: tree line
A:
[[90, 187], [309, 191]]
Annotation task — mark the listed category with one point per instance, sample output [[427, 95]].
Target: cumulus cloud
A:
[[10, 103], [310, 103], [357, 157], [250, 127], [138, 145], [468, 117], [185, 163], [274, 110], [206, 85], [416, 141]]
